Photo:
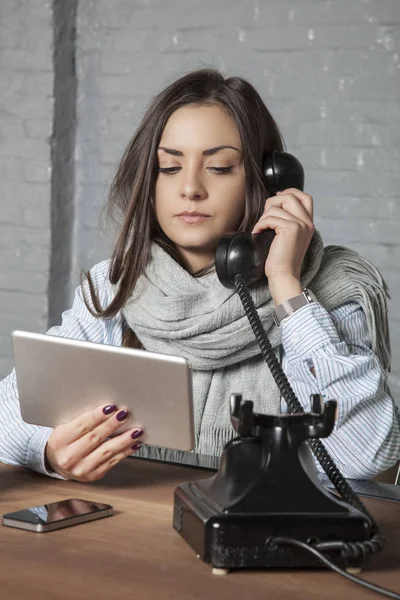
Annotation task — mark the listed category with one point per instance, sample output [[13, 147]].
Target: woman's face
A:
[[200, 188]]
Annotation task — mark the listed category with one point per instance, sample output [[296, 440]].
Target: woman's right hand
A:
[[81, 449]]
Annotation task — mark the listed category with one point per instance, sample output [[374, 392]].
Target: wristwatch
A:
[[290, 306]]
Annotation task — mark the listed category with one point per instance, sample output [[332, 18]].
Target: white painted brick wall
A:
[[26, 110]]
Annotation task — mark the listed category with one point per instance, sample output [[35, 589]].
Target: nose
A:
[[192, 187]]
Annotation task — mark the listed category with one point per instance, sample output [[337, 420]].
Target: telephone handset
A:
[[243, 253], [265, 507]]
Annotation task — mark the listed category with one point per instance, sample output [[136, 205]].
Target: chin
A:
[[195, 240], [196, 246]]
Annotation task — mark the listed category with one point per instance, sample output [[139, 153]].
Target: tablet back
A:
[[59, 379]]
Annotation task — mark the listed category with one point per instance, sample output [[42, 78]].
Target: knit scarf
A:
[[172, 312]]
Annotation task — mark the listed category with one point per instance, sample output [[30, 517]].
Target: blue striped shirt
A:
[[323, 352]]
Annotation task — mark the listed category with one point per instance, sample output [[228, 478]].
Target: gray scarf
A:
[[172, 312]]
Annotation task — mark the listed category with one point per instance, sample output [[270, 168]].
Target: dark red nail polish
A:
[[108, 410], [136, 446], [136, 434], [121, 416]]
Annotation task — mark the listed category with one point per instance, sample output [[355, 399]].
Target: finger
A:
[[107, 466], [98, 435], [282, 213], [79, 458], [290, 204], [275, 212], [86, 422], [106, 456], [278, 224], [306, 200]]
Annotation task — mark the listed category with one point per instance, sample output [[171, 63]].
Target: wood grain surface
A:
[[137, 554]]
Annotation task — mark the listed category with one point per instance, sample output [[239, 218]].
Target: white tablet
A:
[[59, 378]]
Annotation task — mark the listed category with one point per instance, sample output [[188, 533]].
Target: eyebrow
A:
[[208, 152]]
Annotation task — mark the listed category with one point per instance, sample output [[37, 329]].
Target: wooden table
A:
[[136, 554]]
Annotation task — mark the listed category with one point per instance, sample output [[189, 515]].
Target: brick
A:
[[357, 110], [331, 158], [37, 128], [26, 148], [25, 282], [29, 106], [26, 196], [14, 303], [382, 11], [31, 171], [362, 62], [323, 36], [338, 206], [21, 33], [384, 256], [374, 231], [17, 59], [348, 183], [363, 135]]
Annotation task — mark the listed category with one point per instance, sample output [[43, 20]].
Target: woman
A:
[[191, 173]]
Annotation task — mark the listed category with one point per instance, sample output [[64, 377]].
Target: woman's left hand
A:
[[290, 215]]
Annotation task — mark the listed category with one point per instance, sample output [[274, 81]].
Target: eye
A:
[[221, 170], [168, 170]]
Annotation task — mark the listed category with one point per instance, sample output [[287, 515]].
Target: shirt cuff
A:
[[306, 330], [309, 329], [36, 449]]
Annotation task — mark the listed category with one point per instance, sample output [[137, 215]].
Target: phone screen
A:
[[57, 511]]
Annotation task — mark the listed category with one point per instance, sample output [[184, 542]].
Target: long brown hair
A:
[[131, 194]]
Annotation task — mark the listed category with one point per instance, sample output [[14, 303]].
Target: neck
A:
[[195, 261]]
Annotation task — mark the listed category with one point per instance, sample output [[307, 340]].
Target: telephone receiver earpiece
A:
[[244, 253], [281, 171]]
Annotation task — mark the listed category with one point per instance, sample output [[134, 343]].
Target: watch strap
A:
[[288, 307]]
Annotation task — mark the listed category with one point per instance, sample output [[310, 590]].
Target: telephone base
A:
[[238, 541]]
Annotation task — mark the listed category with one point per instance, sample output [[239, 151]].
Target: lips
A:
[[192, 216], [192, 213]]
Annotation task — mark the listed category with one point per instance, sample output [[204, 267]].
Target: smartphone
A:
[[57, 515]]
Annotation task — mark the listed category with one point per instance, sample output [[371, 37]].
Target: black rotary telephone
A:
[[265, 506]]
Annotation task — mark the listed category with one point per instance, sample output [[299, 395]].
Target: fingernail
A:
[[107, 410], [136, 446], [121, 416], [137, 433]]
